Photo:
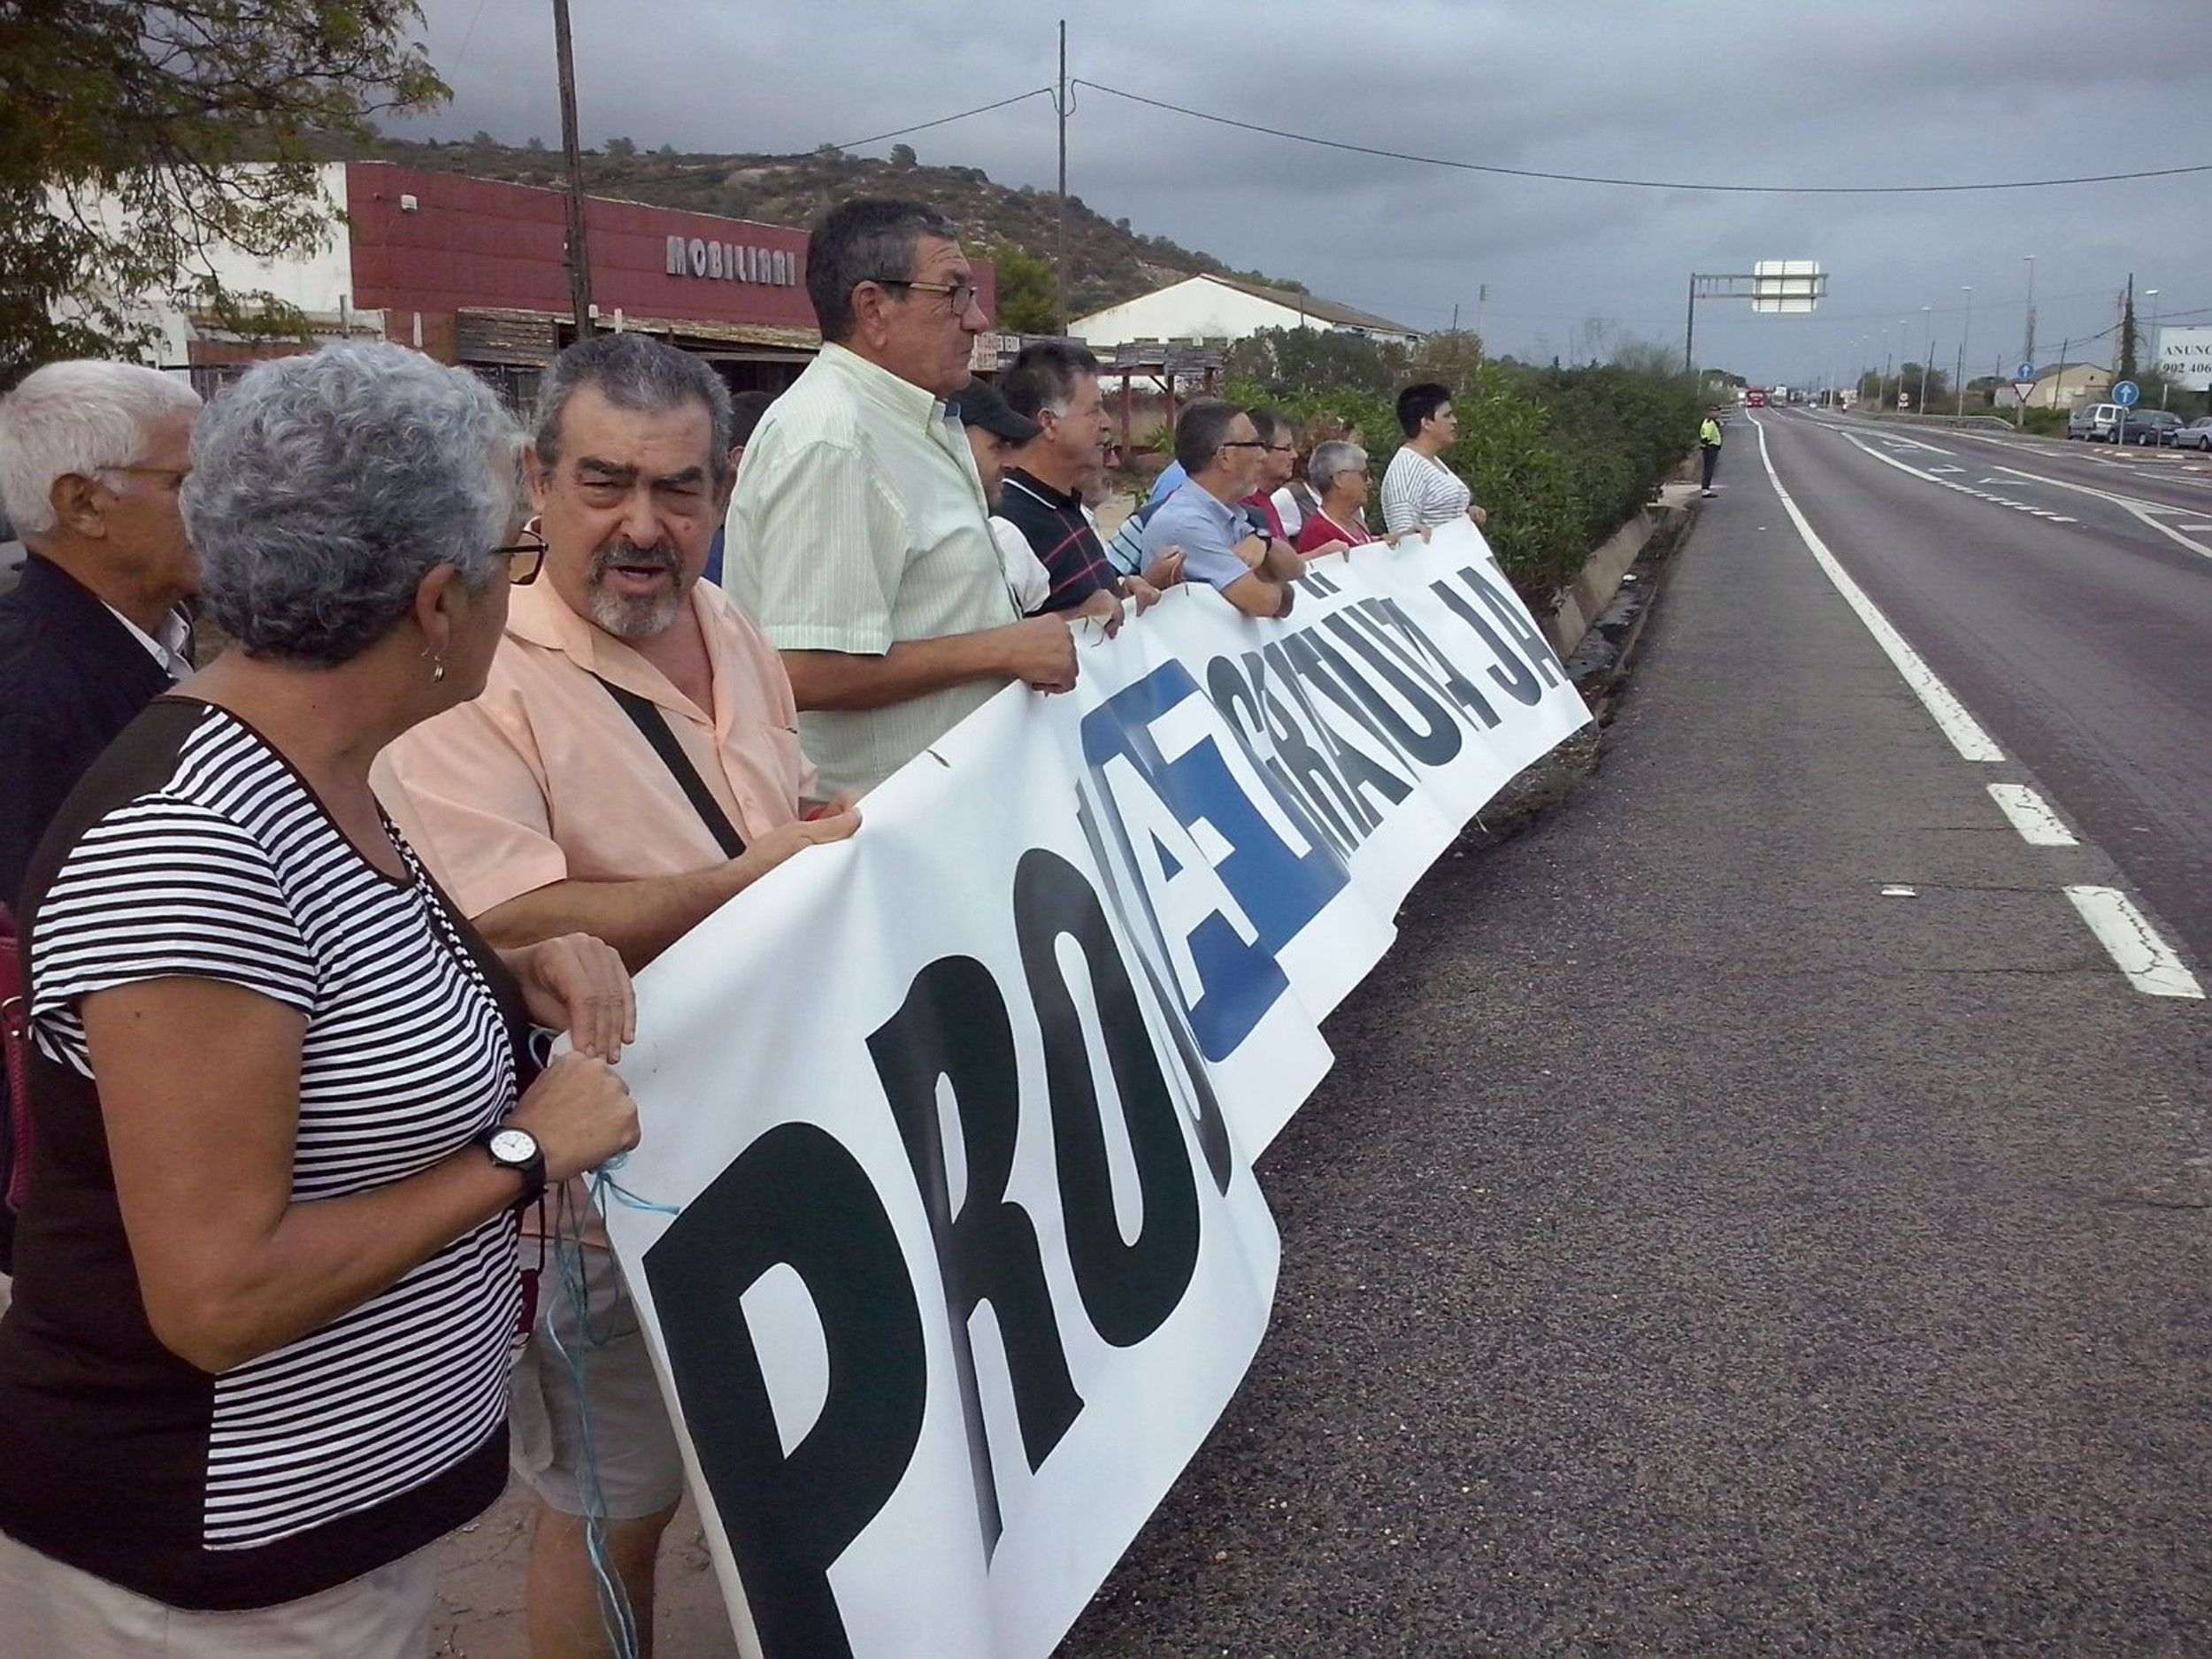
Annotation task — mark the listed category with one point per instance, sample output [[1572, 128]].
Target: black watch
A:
[[516, 1149]]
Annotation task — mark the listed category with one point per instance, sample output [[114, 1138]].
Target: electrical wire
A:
[[1641, 184], [942, 120]]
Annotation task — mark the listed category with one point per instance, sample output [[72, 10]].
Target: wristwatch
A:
[[516, 1149]]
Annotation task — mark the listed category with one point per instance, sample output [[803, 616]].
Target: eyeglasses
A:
[[1242, 444], [527, 558], [958, 296], [176, 475], [1279, 448]]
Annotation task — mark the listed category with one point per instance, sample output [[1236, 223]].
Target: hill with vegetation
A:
[[1108, 261]]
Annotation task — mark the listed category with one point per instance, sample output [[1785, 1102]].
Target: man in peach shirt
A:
[[632, 764]]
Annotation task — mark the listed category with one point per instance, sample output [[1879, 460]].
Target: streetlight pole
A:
[[1927, 311], [2027, 349], [1965, 328], [2152, 295]]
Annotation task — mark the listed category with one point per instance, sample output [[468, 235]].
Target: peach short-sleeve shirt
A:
[[544, 778]]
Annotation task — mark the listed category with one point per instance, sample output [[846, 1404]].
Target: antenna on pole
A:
[[577, 252], [1060, 232]]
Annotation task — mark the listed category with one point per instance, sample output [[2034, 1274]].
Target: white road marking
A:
[[1948, 712], [2135, 504], [2150, 963], [2194, 526], [2037, 825], [1928, 474]]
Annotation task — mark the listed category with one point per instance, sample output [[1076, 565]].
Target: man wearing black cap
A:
[[996, 433]]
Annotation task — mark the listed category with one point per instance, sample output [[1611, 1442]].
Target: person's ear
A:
[[872, 322], [439, 598], [536, 478], [80, 506]]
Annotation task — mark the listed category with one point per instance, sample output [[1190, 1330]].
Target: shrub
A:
[[1561, 458]]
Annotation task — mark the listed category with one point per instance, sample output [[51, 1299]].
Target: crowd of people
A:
[[504, 714]]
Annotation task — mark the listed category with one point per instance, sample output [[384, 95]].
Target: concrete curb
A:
[[1600, 664]]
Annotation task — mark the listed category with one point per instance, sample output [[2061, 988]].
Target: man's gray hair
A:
[[1328, 459], [643, 375], [84, 417], [865, 240], [325, 487]]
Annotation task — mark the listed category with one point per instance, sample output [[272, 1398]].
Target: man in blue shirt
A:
[[1219, 448]]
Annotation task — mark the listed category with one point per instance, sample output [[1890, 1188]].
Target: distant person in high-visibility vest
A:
[[1708, 447]]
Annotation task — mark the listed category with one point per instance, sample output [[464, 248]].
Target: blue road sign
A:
[[2127, 393], [2025, 372]]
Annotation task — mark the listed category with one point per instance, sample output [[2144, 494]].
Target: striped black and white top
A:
[[202, 853], [1419, 490]]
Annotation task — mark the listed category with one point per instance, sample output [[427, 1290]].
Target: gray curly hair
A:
[[325, 487]]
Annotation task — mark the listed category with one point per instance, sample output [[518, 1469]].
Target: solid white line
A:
[[2037, 825], [2148, 961], [1948, 712]]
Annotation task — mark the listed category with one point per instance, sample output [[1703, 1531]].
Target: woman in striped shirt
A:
[[1419, 490], [267, 1282]]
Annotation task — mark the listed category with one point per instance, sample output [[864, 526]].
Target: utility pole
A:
[[1965, 328], [1482, 298], [1060, 234], [578, 251], [2027, 349], [1927, 311], [2152, 295]]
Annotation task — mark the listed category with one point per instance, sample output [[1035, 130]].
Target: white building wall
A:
[[1193, 308], [319, 283]]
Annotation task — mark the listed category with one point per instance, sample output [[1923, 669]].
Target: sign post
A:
[[2023, 383], [2127, 393]]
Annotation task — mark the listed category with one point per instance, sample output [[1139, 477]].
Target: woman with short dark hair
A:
[[267, 1280]]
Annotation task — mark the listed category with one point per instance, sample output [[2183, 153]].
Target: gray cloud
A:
[[1760, 91]]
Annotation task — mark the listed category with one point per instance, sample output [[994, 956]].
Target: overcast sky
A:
[[1730, 91]]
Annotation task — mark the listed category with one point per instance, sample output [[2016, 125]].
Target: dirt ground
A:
[[481, 1580]]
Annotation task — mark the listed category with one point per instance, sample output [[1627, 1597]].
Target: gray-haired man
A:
[[859, 538], [545, 808]]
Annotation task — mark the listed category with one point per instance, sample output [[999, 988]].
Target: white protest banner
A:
[[945, 1233]]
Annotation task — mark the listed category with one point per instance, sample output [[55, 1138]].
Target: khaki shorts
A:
[[634, 1444], [47, 1608]]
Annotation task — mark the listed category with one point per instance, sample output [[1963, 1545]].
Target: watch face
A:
[[514, 1146]]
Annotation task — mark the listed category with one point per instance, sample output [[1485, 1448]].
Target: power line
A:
[[1642, 184], [942, 120]]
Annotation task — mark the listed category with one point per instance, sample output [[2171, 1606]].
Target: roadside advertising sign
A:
[[2184, 357]]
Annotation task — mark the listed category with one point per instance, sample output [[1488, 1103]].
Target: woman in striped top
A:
[[1419, 490], [267, 1283]]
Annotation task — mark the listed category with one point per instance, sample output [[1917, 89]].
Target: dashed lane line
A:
[[2037, 825], [1949, 714], [2150, 963], [2146, 511], [1930, 474]]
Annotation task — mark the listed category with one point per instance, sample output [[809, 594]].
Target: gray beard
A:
[[635, 618]]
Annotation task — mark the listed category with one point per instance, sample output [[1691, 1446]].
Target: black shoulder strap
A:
[[656, 730]]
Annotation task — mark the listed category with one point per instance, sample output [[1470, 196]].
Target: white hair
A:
[[85, 417], [1328, 459], [325, 487]]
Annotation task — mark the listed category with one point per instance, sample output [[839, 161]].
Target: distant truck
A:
[[1780, 395]]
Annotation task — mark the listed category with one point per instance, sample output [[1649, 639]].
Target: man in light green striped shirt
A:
[[858, 536]]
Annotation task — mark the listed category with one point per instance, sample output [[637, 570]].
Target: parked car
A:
[[2094, 423], [2151, 427], [2197, 435]]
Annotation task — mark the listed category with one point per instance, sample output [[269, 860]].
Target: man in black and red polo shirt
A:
[[1055, 383]]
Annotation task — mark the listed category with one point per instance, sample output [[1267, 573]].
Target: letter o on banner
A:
[[715, 266], [698, 256]]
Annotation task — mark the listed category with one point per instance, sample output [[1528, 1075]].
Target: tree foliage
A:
[[121, 126], [1028, 297]]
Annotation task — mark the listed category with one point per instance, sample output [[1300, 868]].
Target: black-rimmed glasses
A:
[[525, 558], [959, 296]]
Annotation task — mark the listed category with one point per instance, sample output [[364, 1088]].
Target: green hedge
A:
[[1561, 458]]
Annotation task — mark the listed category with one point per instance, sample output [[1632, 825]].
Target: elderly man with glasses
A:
[[860, 540], [632, 764], [1221, 449]]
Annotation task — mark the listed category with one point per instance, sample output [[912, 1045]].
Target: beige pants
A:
[[47, 1608]]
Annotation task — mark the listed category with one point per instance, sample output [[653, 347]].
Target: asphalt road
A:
[[1750, 1214], [2064, 593]]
